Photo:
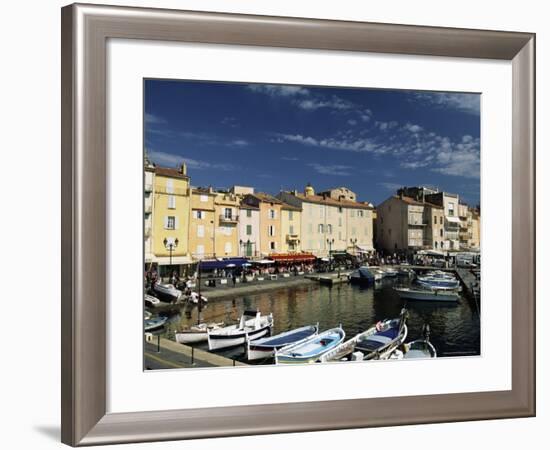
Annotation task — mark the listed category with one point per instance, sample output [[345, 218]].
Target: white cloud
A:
[[153, 119], [352, 122], [171, 160], [466, 103], [415, 129], [239, 143], [331, 169], [278, 90], [312, 104], [390, 186]]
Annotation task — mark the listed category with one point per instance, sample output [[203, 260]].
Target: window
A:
[[440, 220], [272, 214], [204, 198], [272, 245], [227, 248], [198, 214], [435, 244], [249, 230], [271, 230], [170, 223], [340, 209], [290, 215], [248, 213], [329, 228], [339, 221], [441, 232], [170, 186], [435, 220], [321, 211], [352, 213], [451, 207], [200, 231], [200, 250], [171, 202], [360, 213], [228, 213], [340, 235], [320, 229], [291, 229]]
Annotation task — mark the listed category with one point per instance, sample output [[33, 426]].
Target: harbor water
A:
[[455, 327]]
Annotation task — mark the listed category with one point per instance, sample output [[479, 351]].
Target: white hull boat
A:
[[197, 333], [311, 349], [247, 329], [154, 323], [433, 295], [266, 347], [167, 292], [151, 302]]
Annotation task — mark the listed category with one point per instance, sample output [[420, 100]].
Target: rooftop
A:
[[322, 200]]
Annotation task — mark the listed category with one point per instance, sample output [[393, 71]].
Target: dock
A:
[[161, 353]]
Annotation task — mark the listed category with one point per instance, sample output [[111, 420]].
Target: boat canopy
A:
[[223, 263]]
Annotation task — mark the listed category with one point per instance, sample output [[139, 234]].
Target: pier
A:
[[162, 353]]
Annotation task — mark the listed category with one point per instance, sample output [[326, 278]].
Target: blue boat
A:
[[266, 347], [154, 324], [387, 336], [310, 349], [362, 276]]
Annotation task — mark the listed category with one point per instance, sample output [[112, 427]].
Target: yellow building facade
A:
[[202, 223], [226, 219], [270, 221], [170, 219], [291, 222]]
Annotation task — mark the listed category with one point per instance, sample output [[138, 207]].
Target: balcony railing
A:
[[292, 237], [229, 219]]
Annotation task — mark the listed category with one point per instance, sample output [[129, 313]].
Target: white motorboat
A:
[[196, 333], [252, 325], [437, 295], [167, 292], [151, 302]]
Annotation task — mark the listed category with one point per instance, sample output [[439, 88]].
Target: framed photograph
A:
[[270, 211]]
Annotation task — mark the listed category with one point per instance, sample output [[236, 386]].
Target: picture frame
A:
[[85, 31]]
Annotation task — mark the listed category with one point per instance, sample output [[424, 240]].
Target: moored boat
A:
[[438, 295], [196, 333], [252, 325], [417, 349], [266, 347], [166, 292], [154, 323], [390, 272], [195, 298], [362, 276], [311, 349], [438, 283]]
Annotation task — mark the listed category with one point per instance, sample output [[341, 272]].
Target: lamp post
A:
[[330, 242], [171, 246], [353, 243]]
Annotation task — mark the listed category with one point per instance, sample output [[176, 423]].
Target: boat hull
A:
[[432, 296], [219, 341], [259, 350], [191, 337], [290, 354]]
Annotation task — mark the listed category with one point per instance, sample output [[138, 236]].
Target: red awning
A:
[[292, 257]]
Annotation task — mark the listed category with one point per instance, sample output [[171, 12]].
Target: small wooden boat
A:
[[196, 333], [397, 326], [266, 347], [384, 339], [311, 349], [151, 302], [252, 325], [154, 323], [362, 276], [435, 295], [417, 349], [166, 292]]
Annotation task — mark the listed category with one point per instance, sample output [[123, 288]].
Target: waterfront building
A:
[[290, 228], [475, 228], [331, 223], [148, 198], [249, 230], [202, 223], [269, 209], [170, 219], [226, 232], [435, 229], [450, 203]]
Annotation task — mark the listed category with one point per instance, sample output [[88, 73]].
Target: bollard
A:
[[158, 343]]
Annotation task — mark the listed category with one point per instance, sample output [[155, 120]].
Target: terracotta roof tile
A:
[[169, 172], [318, 199]]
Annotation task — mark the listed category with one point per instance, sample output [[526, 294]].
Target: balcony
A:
[[418, 223], [228, 219], [292, 237]]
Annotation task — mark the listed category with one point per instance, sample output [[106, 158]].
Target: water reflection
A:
[[455, 328]]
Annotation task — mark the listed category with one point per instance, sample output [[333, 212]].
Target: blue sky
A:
[[275, 137]]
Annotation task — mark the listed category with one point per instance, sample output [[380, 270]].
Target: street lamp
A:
[[171, 246], [353, 243], [330, 242]]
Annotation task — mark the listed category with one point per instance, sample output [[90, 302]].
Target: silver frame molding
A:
[[85, 30]]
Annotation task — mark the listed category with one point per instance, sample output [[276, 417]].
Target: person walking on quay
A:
[[234, 278]]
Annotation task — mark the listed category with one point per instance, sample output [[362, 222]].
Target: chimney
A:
[[183, 169]]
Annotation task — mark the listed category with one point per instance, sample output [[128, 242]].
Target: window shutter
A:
[[195, 215], [165, 222], [177, 223]]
